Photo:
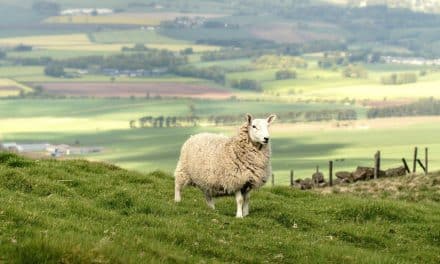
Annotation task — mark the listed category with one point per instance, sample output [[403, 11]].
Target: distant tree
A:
[[246, 84], [187, 51], [46, 8], [22, 47], [399, 78], [355, 71], [160, 120], [285, 74], [132, 123], [192, 109], [54, 70]]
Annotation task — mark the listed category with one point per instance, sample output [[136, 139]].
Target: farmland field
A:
[[135, 84], [284, 33], [81, 43], [135, 36], [120, 89], [116, 19], [301, 147]]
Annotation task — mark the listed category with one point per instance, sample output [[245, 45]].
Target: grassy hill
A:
[[81, 212]]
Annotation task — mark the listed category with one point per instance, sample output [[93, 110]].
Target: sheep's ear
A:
[[249, 119], [271, 118]]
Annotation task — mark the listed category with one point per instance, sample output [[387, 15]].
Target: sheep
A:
[[219, 165]]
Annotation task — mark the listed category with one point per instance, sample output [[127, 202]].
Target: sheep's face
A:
[[259, 128]]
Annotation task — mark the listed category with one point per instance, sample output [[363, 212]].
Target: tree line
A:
[[399, 78], [222, 120], [422, 107], [229, 54]]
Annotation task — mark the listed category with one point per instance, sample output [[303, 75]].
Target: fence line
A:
[[377, 166]]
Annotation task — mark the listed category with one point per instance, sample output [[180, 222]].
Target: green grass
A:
[[77, 212], [105, 122], [101, 121], [36, 74], [56, 54]]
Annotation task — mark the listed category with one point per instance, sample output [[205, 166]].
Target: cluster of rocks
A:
[[360, 174]]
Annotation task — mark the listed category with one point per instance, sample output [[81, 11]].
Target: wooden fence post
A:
[[406, 165], [426, 160], [415, 160], [421, 165], [330, 172], [273, 179], [376, 164], [291, 178]]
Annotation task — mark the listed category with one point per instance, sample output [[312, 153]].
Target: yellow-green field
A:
[[5, 83], [80, 42], [116, 19]]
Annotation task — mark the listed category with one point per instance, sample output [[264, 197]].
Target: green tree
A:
[[54, 70]]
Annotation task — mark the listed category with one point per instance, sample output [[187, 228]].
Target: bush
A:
[[399, 78], [355, 71], [22, 47], [46, 8], [246, 84], [54, 70], [285, 74]]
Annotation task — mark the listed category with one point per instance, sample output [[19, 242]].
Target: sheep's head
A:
[[259, 128]]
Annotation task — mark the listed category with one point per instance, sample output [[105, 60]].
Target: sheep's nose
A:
[[266, 139]]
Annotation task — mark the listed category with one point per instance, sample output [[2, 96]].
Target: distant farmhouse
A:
[[48, 149], [86, 11]]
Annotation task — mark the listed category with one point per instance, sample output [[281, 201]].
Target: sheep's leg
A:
[[180, 181], [209, 200], [246, 198], [239, 199]]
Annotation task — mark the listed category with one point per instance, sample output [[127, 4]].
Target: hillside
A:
[[81, 212]]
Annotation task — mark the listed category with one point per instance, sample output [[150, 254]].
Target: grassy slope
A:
[[76, 212]]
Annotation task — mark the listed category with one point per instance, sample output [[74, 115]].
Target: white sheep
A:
[[221, 165]]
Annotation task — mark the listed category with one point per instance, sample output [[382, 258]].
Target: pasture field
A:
[[82, 212], [126, 18], [113, 19], [301, 147], [10, 87], [286, 33], [134, 36], [35, 74], [57, 54], [149, 149], [313, 83], [120, 89], [228, 64]]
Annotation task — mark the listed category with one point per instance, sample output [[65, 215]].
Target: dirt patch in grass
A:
[[135, 89]]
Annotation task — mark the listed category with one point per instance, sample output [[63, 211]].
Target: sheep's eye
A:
[[254, 126]]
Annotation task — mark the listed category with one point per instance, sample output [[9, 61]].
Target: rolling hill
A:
[[81, 212]]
